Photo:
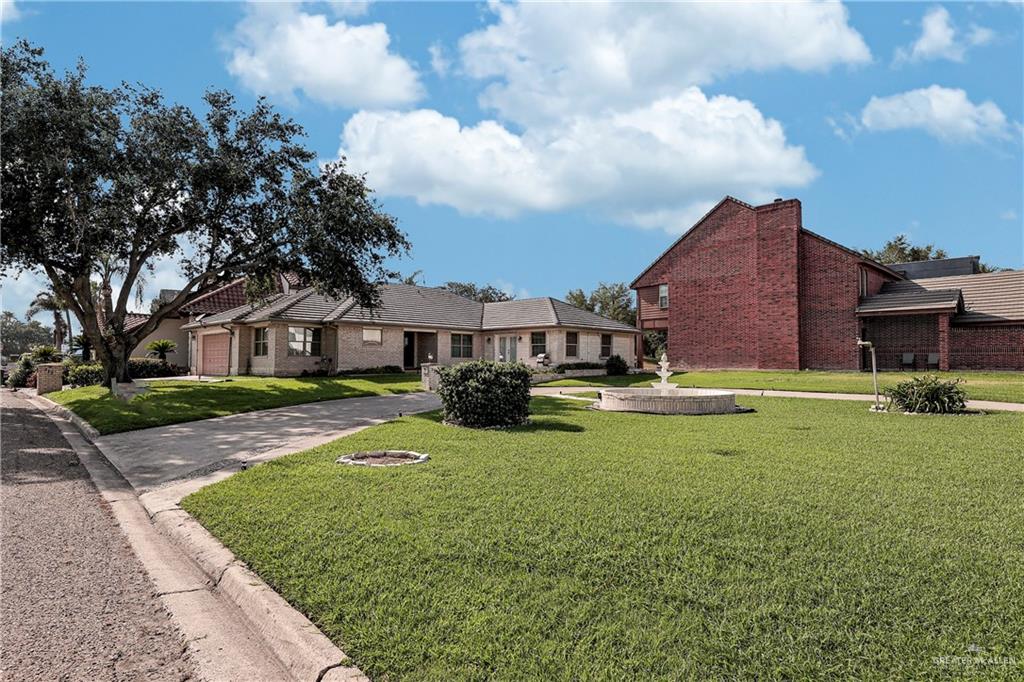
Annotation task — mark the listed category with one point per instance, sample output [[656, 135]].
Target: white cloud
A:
[[548, 60], [657, 165], [439, 61], [279, 49], [349, 8], [9, 11], [940, 39], [945, 113], [1008, 214]]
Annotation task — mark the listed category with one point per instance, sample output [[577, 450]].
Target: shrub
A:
[[616, 366], [386, 369], [483, 393], [41, 354], [579, 365], [928, 394], [150, 368], [159, 348], [90, 374], [20, 375]]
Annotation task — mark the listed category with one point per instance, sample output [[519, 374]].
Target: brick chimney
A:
[[778, 237]]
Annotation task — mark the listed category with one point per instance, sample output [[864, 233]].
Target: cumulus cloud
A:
[[279, 50], [9, 11], [940, 39], [547, 60], [656, 165], [945, 113], [439, 61]]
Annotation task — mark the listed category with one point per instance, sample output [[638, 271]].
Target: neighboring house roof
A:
[[987, 297], [232, 295], [941, 267], [415, 306], [134, 321]]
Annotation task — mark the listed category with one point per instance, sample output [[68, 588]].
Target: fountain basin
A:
[[674, 400]]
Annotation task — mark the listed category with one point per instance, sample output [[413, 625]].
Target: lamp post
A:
[[877, 407]]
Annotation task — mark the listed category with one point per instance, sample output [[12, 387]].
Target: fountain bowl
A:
[[668, 399]]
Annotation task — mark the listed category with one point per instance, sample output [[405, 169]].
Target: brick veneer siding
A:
[[778, 329], [829, 289], [712, 279], [354, 354], [987, 347], [897, 334]]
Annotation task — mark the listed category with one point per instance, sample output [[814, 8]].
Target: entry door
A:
[[507, 348], [409, 350]]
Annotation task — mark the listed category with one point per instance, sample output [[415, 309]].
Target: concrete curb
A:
[[305, 652]]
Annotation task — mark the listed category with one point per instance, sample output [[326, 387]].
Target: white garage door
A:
[[215, 354]]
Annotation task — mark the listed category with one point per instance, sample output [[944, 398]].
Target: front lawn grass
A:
[[809, 540], [1000, 386], [173, 402]]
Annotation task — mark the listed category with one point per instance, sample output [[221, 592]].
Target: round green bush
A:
[[86, 375], [484, 394], [616, 366]]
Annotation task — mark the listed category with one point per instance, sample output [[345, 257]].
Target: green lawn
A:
[[172, 402], [1002, 386], [808, 540]]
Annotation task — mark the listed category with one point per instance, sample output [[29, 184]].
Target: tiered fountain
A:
[[666, 398]]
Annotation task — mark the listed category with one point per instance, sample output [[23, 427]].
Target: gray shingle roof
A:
[[416, 306], [942, 267], [987, 297], [908, 299]]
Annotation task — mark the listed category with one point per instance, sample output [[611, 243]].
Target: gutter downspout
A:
[[231, 336]]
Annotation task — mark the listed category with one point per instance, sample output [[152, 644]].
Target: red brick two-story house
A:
[[750, 287]]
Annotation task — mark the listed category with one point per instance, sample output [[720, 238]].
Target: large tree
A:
[[20, 337], [96, 178], [613, 300], [486, 293], [900, 250]]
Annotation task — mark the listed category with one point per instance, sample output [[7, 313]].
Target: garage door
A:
[[215, 354]]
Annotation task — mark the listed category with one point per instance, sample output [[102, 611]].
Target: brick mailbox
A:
[[49, 377]]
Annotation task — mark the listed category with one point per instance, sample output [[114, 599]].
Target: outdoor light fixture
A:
[[877, 407]]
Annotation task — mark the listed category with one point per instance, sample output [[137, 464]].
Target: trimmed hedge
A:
[[482, 393], [928, 394], [91, 374], [386, 369], [616, 366], [579, 365]]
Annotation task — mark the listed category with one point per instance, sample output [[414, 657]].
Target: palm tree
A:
[[160, 348], [50, 302]]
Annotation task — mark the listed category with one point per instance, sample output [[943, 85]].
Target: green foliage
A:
[[101, 180], [579, 365], [159, 348], [655, 344], [485, 394], [616, 366], [151, 368], [90, 374], [900, 250], [486, 293], [810, 540], [21, 375], [384, 369], [928, 394], [45, 353], [612, 300], [19, 337]]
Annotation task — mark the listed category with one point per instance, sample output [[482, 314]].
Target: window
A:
[[304, 341], [572, 344], [462, 345], [538, 343], [662, 296], [606, 345], [863, 283], [373, 337], [260, 343]]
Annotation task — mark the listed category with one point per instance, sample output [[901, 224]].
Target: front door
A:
[[409, 350], [507, 348]]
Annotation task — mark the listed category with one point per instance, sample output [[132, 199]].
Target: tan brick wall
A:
[[444, 347], [352, 353], [589, 346]]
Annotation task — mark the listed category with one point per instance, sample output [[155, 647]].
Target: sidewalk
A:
[[985, 405]]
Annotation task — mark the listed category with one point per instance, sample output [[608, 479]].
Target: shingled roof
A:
[[986, 297], [415, 306]]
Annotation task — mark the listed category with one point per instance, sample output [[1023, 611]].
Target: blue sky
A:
[[547, 147]]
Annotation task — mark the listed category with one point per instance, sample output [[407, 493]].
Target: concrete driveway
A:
[[152, 458]]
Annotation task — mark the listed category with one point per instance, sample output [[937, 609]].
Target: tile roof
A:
[[229, 296], [911, 299], [415, 306], [134, 321], [987, 297]]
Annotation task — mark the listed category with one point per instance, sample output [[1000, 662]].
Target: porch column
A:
[[944, 342]]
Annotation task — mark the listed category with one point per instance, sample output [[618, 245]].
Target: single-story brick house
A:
[[750, 287], [290, 333]]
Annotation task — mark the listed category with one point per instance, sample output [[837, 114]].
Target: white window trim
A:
[[663, 300], [380, 333]]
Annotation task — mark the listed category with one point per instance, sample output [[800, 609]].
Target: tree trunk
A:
[[117, 367]]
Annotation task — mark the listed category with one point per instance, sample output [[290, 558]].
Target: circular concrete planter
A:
[[383, 458], [668, 400]]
